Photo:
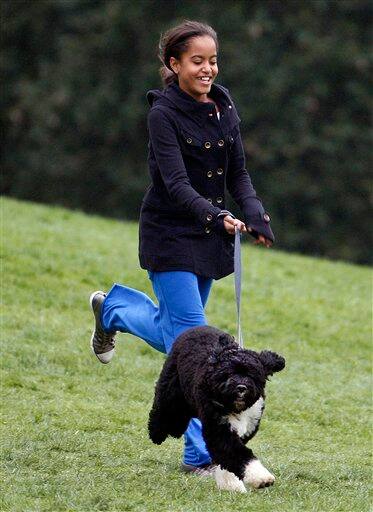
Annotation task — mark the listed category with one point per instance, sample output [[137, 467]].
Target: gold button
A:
[[207, 230], [207, 145], [220, 171], [189, 140], [219, 199], [221, 143], [209, 174], [209, 217], [209, 200]]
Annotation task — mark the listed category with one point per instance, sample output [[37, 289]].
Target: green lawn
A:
[[74, 432]]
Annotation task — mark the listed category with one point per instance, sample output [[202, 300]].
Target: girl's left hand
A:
[[261, 240]]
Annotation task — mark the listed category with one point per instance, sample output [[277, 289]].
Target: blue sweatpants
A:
[[182, 297]]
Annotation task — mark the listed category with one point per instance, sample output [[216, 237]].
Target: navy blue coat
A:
[[193, 159]]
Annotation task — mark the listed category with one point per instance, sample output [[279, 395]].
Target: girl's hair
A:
[[174, 43]]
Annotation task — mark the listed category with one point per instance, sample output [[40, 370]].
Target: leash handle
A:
[[237, 282]]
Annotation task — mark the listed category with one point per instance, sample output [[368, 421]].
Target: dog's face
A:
[[240, 375], [239, 383]]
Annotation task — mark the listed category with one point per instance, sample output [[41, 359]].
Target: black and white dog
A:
[[208, 376]]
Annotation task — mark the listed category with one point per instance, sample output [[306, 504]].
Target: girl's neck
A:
[[203, 98]]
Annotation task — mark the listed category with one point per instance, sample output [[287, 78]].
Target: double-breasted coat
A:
[[194, 158]]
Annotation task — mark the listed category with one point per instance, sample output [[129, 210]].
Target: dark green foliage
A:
[[74, 107]]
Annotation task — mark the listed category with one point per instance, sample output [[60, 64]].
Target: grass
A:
[[74, 432]]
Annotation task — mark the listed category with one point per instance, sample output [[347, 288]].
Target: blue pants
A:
[[182, 297]]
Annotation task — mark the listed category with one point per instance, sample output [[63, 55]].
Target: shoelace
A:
[[108, 338]]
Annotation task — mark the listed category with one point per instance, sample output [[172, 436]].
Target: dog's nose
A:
[[241, 388]]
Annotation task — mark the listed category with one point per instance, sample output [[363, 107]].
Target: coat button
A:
[[229, 106], [231, 139], [209, 217], [189, 140], [221, 143], [207, 145], [209, 174], [207, 230], [220, 170], [209, 200], [211, 115], [219, 200], [266, 217]]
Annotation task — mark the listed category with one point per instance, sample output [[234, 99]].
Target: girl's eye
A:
[[200, 62]]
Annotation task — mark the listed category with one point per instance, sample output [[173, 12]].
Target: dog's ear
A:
[[271, 362]]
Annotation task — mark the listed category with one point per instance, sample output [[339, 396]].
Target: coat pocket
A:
[[190, 143]]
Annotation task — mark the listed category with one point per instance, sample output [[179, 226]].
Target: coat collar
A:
[[197, 110]]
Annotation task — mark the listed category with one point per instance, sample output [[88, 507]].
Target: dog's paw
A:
[[157, 436], [257, 475], [227, 481]]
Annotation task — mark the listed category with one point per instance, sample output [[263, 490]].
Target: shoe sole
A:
[[93, 332]]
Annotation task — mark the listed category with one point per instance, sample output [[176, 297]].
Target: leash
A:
[[237, 282]]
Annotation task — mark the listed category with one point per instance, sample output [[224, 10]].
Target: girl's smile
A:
[[197, 67]]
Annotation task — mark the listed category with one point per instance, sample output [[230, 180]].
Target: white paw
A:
[[257, 475], [227, 481]]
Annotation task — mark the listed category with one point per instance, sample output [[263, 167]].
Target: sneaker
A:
[[102, 343], [206, 470]]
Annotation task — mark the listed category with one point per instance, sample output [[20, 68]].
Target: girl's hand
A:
[[230, 223], [261, 240]]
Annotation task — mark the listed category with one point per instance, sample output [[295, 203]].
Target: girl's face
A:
[[200, 60]]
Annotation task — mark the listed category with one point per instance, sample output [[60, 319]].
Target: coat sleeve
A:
[[167, 152], [241, 189]]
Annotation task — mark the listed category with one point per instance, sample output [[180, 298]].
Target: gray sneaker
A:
[[206, 470], [102, 343]]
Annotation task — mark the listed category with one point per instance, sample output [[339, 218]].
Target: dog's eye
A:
[[241, 369]]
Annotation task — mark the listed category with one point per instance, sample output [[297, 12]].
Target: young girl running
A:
[[186, 234]]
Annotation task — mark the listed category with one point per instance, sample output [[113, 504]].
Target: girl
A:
[[186, 234]]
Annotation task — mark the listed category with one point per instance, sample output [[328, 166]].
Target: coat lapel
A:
[[199, 111]]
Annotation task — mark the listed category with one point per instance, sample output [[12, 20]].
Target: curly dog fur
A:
[[208, 376]]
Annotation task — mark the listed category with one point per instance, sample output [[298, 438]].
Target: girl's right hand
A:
[[230, 223]]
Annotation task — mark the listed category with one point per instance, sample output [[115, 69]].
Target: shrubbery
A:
[[74, 107]]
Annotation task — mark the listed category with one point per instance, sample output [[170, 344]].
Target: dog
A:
[[208, 376]]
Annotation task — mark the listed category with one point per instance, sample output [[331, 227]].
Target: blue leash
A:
[[237, 282]]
